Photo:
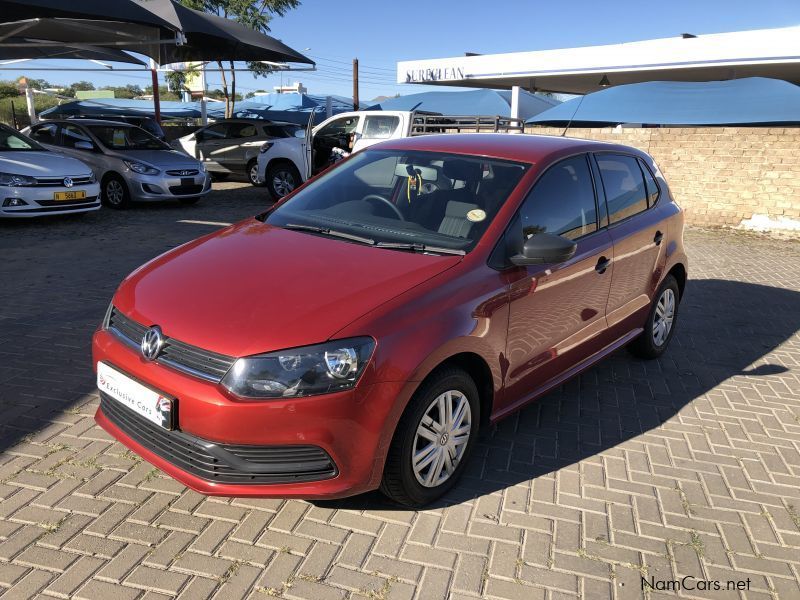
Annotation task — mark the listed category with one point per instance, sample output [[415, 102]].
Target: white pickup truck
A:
[[284, 164]]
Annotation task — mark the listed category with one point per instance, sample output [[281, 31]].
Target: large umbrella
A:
[[126, 11], [210, 37], [29, 49]]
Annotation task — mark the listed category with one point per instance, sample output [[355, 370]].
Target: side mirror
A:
[[542, 248], [300, 133], [84, 146]]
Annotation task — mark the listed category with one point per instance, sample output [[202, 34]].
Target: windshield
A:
[[13, 140], [404, 198], [120, 137]]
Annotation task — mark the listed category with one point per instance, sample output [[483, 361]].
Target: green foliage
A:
[[125, 91], [8, 90], [82, 86], [40, 101]]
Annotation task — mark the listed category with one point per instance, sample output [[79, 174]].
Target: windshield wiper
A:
[[419, 248], [329, 232]]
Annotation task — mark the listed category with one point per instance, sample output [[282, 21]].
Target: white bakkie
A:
[[284, 164]]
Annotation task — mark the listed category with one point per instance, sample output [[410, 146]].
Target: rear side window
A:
[[215, 132], [70, 135], [380, 127], [242, 130], [562, 202], [624, 185]]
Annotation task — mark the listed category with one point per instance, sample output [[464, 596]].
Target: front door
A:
[[557, 311], [211, 144]]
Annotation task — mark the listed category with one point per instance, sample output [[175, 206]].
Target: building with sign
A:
[[773, 53]]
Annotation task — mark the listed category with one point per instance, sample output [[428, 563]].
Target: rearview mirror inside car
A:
[[542, 248]]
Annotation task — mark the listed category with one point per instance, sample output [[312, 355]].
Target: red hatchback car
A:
[[359, 333]]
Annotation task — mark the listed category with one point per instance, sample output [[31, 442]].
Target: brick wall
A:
[[723, 176]]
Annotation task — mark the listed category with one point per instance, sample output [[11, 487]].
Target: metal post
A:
[[514, 104], [355, 84], [328, 107], [204, 111], [31, 105], [156, 99]]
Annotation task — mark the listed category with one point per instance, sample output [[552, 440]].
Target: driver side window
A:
[[562, 202], [339, 127]]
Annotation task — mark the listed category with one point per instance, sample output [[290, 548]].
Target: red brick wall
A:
[[719, 175]]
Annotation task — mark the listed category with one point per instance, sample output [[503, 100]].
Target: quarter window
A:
[[624, 185], [562, 202], [650, 185], [71, 135]]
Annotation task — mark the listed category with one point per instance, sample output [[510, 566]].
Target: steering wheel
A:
[[384, 201]]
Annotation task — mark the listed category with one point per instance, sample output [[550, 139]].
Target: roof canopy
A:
[[476, 102], [751, 101], [773, 53]]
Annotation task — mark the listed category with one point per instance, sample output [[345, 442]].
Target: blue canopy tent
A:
[[294, 108], [750, 101], [473, 102]]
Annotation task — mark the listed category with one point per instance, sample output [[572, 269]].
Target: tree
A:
[[125, 91], [82, 86], [8, 89], [255, 14]]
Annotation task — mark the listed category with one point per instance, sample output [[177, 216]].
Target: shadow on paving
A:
[[724, 327]]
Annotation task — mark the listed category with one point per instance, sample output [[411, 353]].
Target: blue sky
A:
[[380, 33]]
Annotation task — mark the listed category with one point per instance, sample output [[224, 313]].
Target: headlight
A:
[[92, 178], [141, 168], [265, 146], [11, 180], [320, 369], [201, 167]]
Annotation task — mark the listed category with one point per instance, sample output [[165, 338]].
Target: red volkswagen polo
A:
[[359, 333]]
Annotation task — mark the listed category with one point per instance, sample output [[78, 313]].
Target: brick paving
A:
[[689, 465]]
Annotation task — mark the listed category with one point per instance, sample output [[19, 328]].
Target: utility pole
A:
[[355, 84]]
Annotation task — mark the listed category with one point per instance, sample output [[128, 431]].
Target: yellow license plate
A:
[[69, 195]]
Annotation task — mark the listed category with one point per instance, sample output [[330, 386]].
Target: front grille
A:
[[207, 365], [222, 463], [59, 181], [185, 190], [183, 172], [87, 200]]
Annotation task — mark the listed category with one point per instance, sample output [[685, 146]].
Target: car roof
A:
[[90, 122], [253, 121], [517, 147]]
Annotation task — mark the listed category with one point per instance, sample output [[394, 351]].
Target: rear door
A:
[[636, 229], [557, 311], [376, 128], [211, 144]]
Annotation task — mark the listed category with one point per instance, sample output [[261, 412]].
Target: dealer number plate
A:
[[141, 399], [76, 195]]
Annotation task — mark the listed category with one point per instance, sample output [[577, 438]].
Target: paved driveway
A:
[[689, 465]]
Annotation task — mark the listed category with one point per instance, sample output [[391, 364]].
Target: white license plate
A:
[[141, 399]]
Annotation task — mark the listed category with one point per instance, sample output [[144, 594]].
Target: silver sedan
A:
[[130, 164]]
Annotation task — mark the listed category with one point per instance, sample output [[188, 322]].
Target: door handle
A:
[[658, 237], [602, 264]]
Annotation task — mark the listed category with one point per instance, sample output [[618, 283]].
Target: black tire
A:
[[253, 176], [281, 171], [114, 192], [646, 346], [399, 480], [189, 201]]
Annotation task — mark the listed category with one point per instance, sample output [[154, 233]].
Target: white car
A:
[[36, 182]]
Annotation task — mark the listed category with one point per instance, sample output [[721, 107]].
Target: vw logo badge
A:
[[67, 181], [151, 342]]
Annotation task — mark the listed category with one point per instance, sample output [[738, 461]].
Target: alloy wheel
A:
[[441, 438], [254, 178], [282, 182], [115, 193], [664, 316]]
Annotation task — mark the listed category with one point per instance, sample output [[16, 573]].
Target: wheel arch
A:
[[678, 271]]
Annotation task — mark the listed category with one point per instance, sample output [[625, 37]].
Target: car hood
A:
[[254, 288], [163, 159], [35, 163]]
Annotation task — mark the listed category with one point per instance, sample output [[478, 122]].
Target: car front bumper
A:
[[145, 188], [352, 428], [40, 201]]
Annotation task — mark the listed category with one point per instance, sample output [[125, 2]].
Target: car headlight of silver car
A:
[[11, 180], [265, 146], [141, 168], [307, 371]]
